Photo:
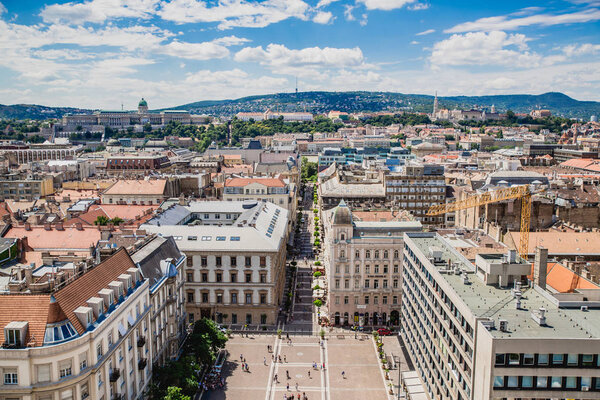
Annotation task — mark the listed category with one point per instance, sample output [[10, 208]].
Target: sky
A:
[[105, 53]]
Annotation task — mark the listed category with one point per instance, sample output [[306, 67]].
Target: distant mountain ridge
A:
[[321, 102]]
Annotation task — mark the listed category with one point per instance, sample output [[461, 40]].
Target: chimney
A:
[[47, 226], [59, 226], [79, 226], [27, 226], [540, 266]]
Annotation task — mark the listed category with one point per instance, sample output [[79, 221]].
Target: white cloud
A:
[[348, 12], [581, 49], [194, 51], [427, 32], [384, 4], [277, 55], [234, 13], [364, 19], [323, 17], [506, 23], [98, 11], [481, 48], [2, 9], [231, 41], [414, 42], [325, 3], [418, 6]]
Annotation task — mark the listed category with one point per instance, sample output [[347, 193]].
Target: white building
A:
[[85, 339], [277, 190], [485, 331]]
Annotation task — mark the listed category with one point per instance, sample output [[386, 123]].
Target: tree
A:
[[147, 127], [101, 220], [116, 220], [309, 171], [174, 393]]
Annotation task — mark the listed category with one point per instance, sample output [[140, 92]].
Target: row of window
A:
[[233, 260], [376, 253], [367, 284], [548, 360], [384, 300], [574, 383], [233, 277], [233, 297], [376, 268]]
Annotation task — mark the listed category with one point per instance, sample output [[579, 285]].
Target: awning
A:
[[122, 329], [130, 320]]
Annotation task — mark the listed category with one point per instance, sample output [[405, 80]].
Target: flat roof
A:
[[498, 303]]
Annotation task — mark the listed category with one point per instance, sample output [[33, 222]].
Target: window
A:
[[366, 299], [249, 278], [355, 299], [99, 378], [375, 299], [190, 262], [346, 283], [527, 381], [572, 359], [234, 238], [342, 253], [385, 269], [376, 268], [543, 359], [190, 297], [586, 381], [395, 284], [263, 298], [500, 359], [512, 381], [396, 268], [218, 261], [248, 261], [205, 297], [527, 359], [375, 283], [233, 261], [234, 318], [377, 254], [219, 276], [337, 283], [368, 254], [571, 382], [263, 261], [556, 382], [14, 336], [248, 298], [558, 359], [346, 269], [366, 283], [99, 352], [11, 377], [587, 360], [64, 369], [337, 299], [498, 381], [513, 359], [386, 254], [221, 238], [219, 298], [385, 284], [43, 373], [357, 269], [204, 261], [395, 300], [346, 299], [337, 268], [110, 340], [263, 278], [384, 300], [541, 382], [204, 277], [233, 276], [190, 276], [357, 254], [234, 299]]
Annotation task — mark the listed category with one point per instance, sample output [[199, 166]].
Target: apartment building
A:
[[143, 192], [365, 268], [416, 187], [76, 332], [236, 251], [492, 330], [161, 262], [18, 186], [276, 190]]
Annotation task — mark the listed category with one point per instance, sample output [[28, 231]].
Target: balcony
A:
[[115, 374], [117, 396], [142, 363], [141, 341]]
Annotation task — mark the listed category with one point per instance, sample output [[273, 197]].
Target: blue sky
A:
[[101, 53]]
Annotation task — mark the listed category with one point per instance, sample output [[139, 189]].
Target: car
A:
[[384, 332]]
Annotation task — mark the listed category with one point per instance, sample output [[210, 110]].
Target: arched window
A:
[[376, 253], [342, 253], [368, 254], [395, 253], [342, 236], [386, 254], [357, 254]]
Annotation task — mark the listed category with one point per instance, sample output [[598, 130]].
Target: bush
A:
[[315, 211], [317, 263], [317, 274], [317, 287], [318, 303]]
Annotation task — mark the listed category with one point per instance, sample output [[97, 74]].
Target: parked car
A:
[[384, 332]]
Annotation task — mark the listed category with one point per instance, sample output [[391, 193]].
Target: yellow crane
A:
[[514, 192]]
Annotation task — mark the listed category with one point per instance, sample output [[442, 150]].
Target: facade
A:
[[20, 186], [161, 262], [136, 192], [275, 190], [287, 116], [84, 340], [236, 252], [123, 164], [122, 119], [365, 269], [416, 187], [484, 331], [22, 155]]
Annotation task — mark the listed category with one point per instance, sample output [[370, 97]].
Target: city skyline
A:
[[102, 53]]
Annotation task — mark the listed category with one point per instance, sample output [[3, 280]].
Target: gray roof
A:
[[149, 257]]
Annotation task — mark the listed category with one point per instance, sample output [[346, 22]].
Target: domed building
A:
[[142, 106]]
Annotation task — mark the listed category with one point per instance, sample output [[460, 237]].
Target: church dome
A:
[[342, 214], [142, 103]]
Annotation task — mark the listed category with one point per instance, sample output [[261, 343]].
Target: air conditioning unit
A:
[[585, 388], [584, 308], [503, 325]]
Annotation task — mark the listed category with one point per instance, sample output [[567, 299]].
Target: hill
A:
[[320, 102]]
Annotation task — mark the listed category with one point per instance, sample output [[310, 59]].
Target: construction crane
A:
[[514, 192]]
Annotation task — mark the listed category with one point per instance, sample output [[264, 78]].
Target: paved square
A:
[[357, 358]]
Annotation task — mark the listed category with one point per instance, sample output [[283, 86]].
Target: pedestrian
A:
[[275, 378], [287, 387], [296, 386], [323, 365], [298, 396], [304, 396], [309, 374], [244, 360], [272, 357], [284, 358], [287, 336], [241, 357], [343, 375], [287, 373], [279, 358], [265, 360]]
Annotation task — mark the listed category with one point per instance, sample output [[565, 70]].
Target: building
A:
[[416, 187], [120, 119], [19, 155], [357, 188], [131, 163], [161, 262], [27, 187], [484, 331], [275, 190], [287, 116], [78, 333], [540, 113], [143, 192], [236, 251], [365, 268]]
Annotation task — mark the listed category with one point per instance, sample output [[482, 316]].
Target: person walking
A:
[[296, 386], [284, 358], [287, 373], [309, 374], [287, 387], [265, 360], [343, 375], [275, 378]]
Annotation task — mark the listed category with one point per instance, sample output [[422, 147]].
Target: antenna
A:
[[296, 85], [121, 105]]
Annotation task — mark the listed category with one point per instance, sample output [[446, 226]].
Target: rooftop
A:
[[137, 187], [486, 301]]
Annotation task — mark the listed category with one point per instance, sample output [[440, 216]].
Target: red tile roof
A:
[[560, 278], [126, 212], [136, 187], [30, 308], [70, 238], [76, 293]]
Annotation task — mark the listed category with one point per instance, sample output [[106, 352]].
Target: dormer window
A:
[[15, 332], [13, 336]]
